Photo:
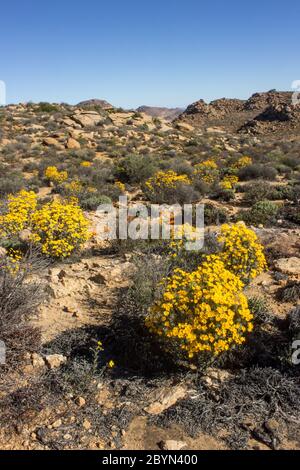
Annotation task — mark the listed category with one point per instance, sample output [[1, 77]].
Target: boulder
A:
[[288, 265], [73, 144], [55, 360], [166, 398]]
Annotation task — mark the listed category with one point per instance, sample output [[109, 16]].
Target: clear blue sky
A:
[[130, 52]]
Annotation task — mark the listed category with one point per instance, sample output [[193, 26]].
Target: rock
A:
[[86, 425], [56, 424], [214, 378], [73, 144], [165, 399], [183, 126], [171, 445], [3, 252], [288, 265], [51, 142], [25, 235], [80, 401], [5, 142], [55, 360], [87, 119], [37, 360]]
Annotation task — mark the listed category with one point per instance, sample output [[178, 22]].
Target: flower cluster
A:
[[53, 175], [241, 252], [207, 171], [180, 235], [166, 180], [202, 312], [229, 182], [86, 164], [17, 213], [59, 228], [243, 161], [121, 186], [73, 188]]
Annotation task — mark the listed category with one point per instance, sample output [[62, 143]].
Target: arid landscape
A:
[[142, 344]]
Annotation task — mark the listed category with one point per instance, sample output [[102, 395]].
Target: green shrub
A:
[[263, 212]]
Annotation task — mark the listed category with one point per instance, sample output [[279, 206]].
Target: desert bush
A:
[[262, 212], [16, 213], [202, 313], [241, 251], [59, 228], [53, 175], [170, 188], [257, 171], [257, 191], [214, 215], [11, 183], [134, 169], [19, 298], [289, 293], [207, 171]]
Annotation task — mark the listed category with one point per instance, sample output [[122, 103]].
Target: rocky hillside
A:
[[269, 112], [166, 113]]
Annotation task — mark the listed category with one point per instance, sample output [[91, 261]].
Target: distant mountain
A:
[[95, 103], [267, 112], [166, 113]]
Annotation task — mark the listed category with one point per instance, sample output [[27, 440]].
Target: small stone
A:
[[86, 425], [80, 401], [55, 360], [57, 424], [171, 445], [37, 360]]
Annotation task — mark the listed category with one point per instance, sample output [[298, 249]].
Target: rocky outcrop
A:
[[103, 104], [266, 112]]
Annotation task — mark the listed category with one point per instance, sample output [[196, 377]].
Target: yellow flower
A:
[[207, 171], [241, 251], [53, 175], [111, 364], [166, 180], [86, 164]]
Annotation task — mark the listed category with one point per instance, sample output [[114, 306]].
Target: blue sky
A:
[[164, 53]]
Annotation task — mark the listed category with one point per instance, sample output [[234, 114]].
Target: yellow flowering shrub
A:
[[202, 312], [53, 175], [60, 228], [207, 171], [121, 186], [180, 235], [86, 164], [225, 184], [17, 213], [229, 182], [243, 161], [73, 188], [241, 253], [166, 179]]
